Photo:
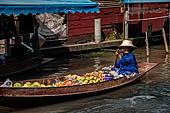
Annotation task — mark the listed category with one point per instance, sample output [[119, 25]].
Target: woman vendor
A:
[[127, 66]]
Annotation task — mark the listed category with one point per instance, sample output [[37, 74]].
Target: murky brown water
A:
[[149, 95]]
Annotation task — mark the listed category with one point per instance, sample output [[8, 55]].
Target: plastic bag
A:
[[7, 83]]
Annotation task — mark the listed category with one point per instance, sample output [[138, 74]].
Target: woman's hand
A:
[[112, 72], [118, 54]]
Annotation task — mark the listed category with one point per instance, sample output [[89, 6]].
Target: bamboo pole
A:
[[123, 23], [147, 44], [165, 41]]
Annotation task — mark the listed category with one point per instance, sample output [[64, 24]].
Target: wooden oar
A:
[[116, 60], [116, 57]]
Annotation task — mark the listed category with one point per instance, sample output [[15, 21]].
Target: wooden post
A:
[[126, 22], [67, 33], [16, 21], [147, 45], [165, 41], [123, 28], [97, 30]]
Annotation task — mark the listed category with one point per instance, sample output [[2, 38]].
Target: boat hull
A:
[[12, 96]]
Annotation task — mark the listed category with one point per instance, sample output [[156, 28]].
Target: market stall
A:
[[25, 11]]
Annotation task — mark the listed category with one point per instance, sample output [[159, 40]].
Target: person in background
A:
[[2, 59], [127, 66], [19, 51]]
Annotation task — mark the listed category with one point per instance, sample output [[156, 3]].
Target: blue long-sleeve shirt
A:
[[127, 64]]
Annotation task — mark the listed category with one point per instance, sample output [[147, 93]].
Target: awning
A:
[[145, 1], [41, 6]]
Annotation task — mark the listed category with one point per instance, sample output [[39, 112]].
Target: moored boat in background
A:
[[21, 66]]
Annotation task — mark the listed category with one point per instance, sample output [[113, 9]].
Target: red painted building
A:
[[148, 17], [81, 25]]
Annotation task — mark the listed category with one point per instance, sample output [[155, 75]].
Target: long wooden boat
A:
[[17, 67], [31, 96]]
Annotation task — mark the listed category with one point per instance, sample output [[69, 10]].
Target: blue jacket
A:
[[127, 64]]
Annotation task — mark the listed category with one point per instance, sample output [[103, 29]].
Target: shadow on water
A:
[[149, 95]]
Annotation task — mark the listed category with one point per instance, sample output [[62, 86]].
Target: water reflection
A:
[[166, 58], [158, 84], [97, 63], [136, 104], [151, 94], [147, 60]]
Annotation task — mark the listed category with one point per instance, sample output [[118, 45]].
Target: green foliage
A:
[[113, 36], [98, 53], [121, 35]]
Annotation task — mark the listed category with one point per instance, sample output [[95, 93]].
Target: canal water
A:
[[151, 94]]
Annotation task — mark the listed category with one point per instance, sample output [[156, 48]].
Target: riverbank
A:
[[77, 48]]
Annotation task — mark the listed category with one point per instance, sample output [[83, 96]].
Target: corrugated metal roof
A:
[[145, 1], [41, 6], [108, 3]]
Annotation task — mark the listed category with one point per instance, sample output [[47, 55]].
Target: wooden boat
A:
[[17, 67], [21, 96]]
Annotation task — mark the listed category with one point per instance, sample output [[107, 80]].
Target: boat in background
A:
[[15, 67], [34, 96]]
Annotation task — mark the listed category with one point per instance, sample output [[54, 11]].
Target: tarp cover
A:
[[41, 6], [145, 1]]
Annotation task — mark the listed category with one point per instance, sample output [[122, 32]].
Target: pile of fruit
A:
[[88, 78], [68, 80], [93, 77], [29, 84]]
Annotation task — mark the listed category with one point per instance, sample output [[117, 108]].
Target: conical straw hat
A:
[[127, 43]]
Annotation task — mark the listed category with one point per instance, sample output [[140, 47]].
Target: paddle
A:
[[116, 56], [116, 60]]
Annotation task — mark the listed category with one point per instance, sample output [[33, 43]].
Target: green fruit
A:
[[91, 77], [87, 78], [49, 86], [94, 81], [91, 81], [17, 85], [78, 78], [35, 84], [28, 83], [82, 78], [25, 85], [42, 85], [85, 82], [82, 82], [95, 78]]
